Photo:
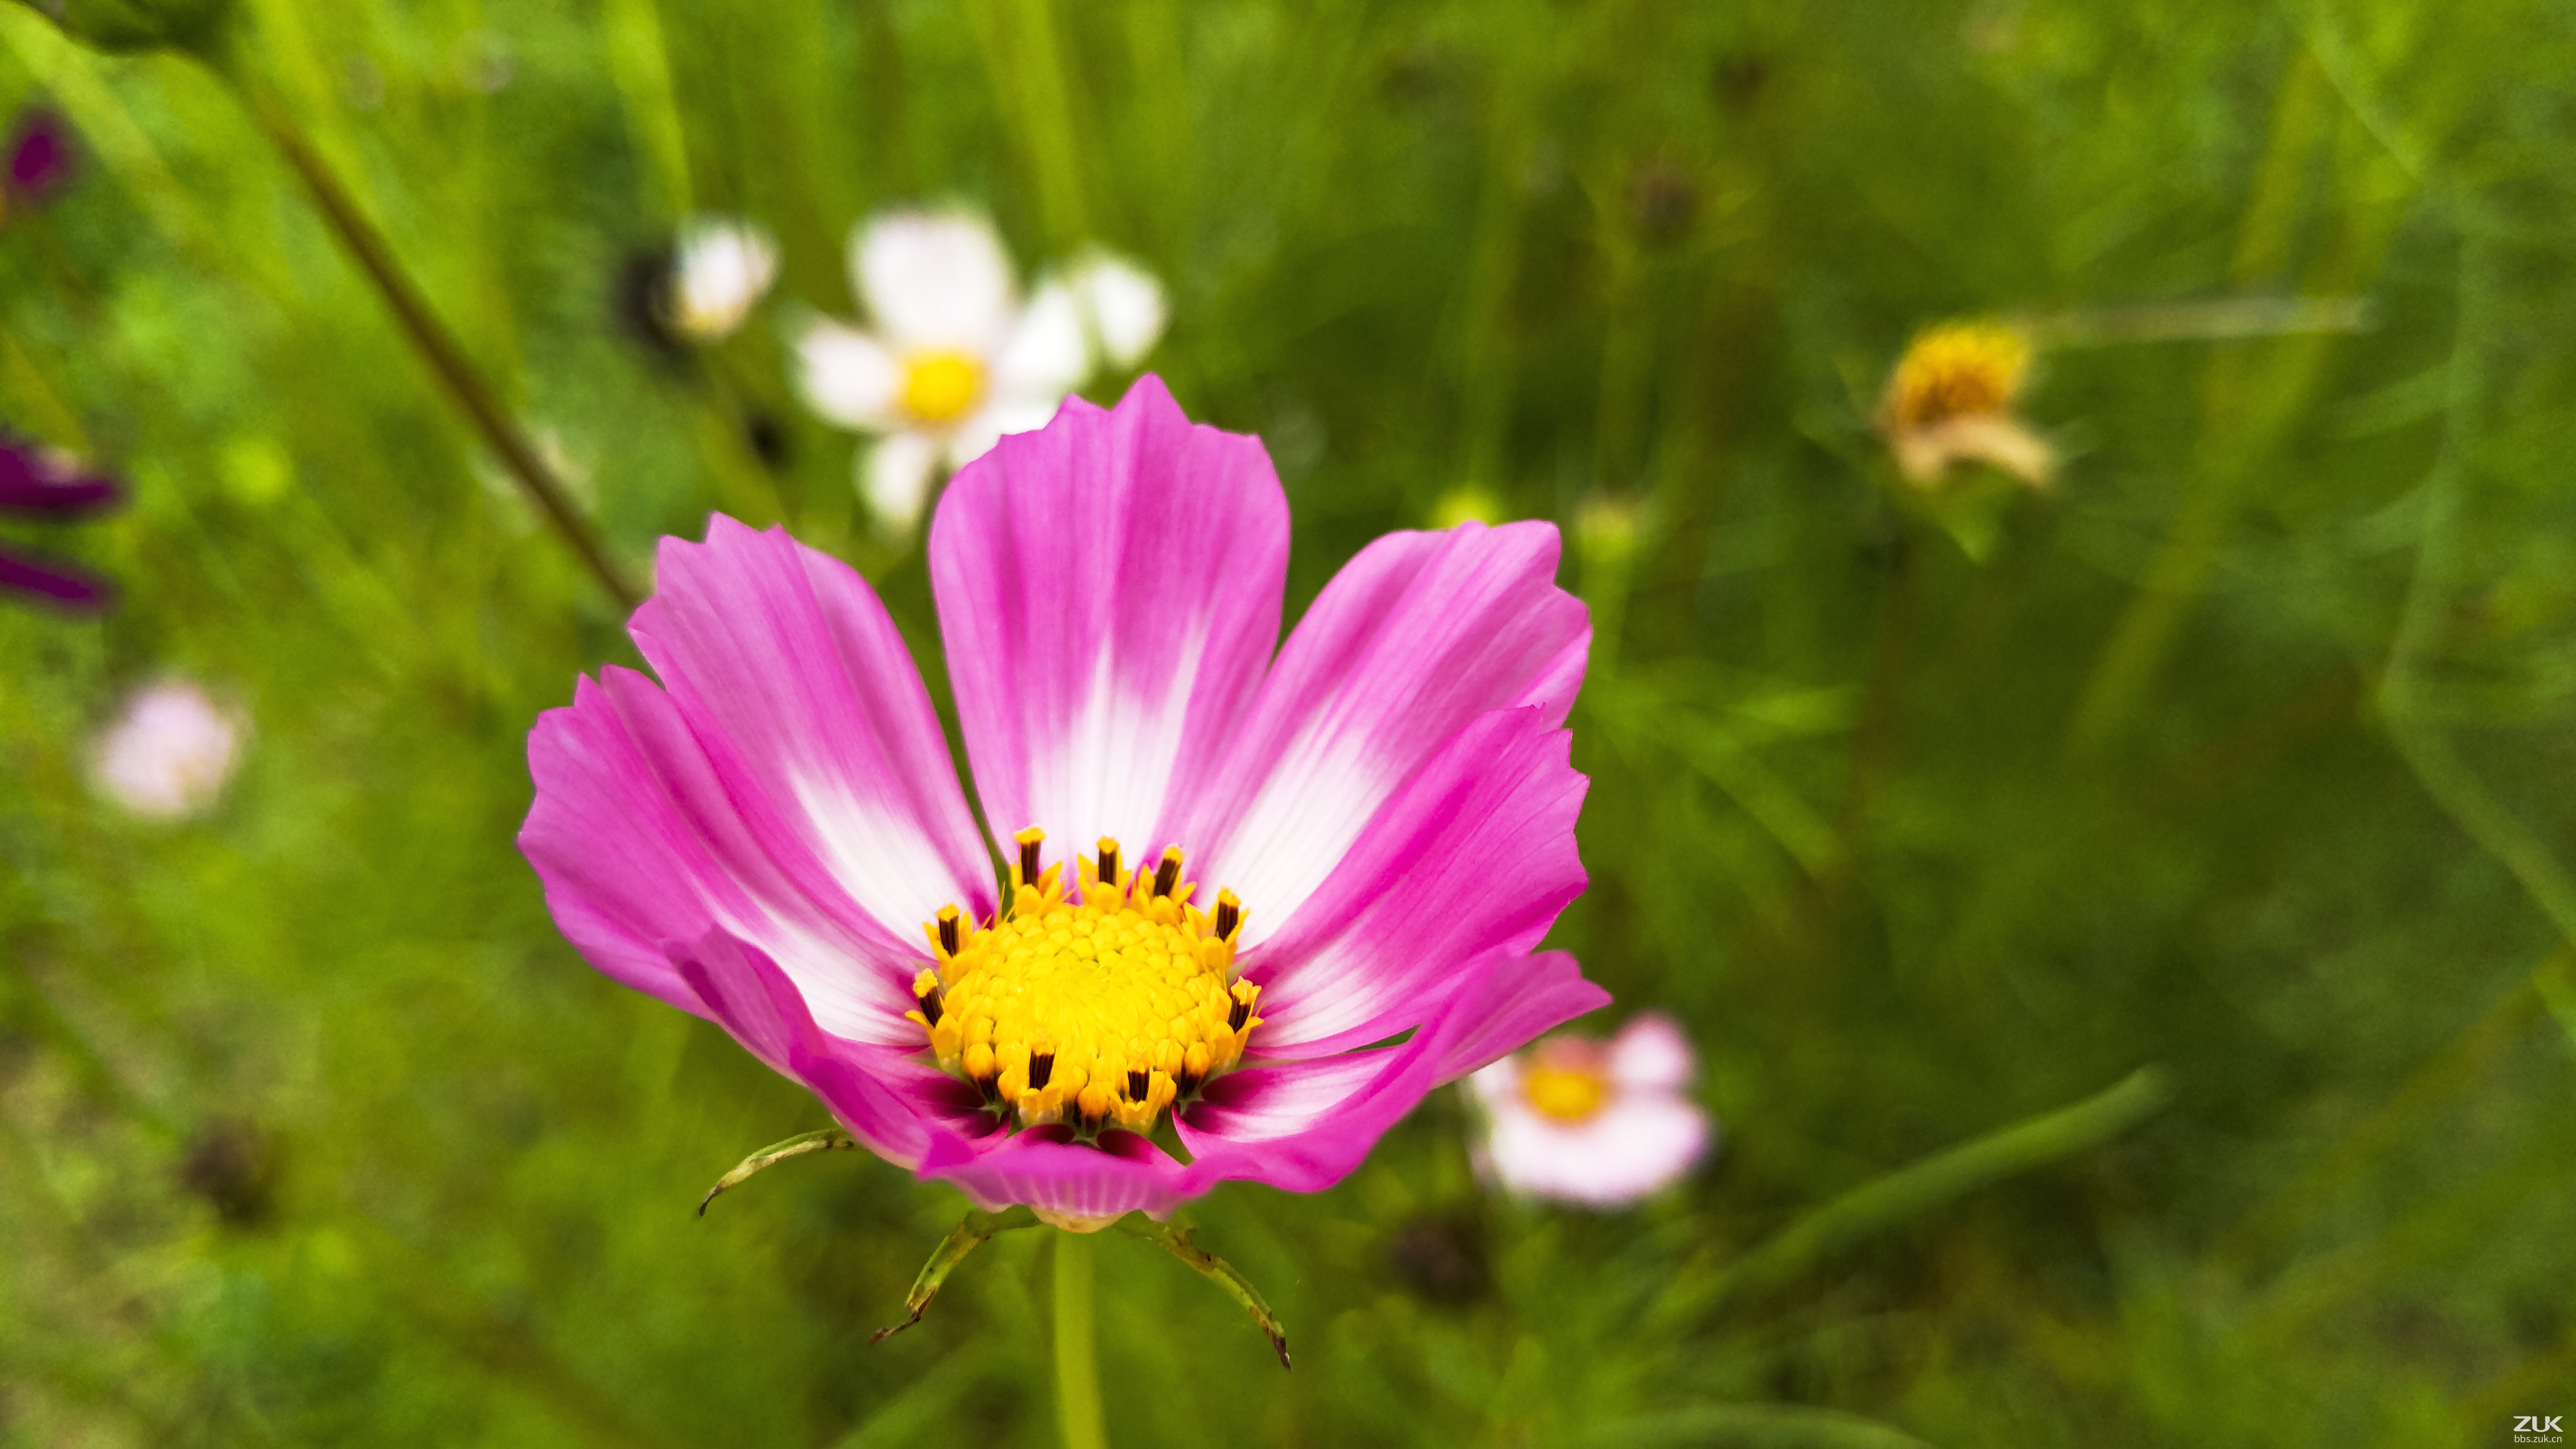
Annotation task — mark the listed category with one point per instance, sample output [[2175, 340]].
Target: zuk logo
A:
[[2535, 1424]]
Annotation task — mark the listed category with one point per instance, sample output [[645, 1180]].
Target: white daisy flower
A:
[[720, 270], [955, 358], [169, 751], [1597, 1125]]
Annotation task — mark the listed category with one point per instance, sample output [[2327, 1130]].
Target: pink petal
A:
[[1539, 994], [638, 836], [1304, 1125], [1410, 642], [1651, 1052], [1474, 854], [1108, 591], [1124, 1174], [622, 869], [750, 997], [786, 656]]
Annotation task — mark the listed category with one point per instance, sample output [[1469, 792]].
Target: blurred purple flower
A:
[[33, 486], [41, 158]]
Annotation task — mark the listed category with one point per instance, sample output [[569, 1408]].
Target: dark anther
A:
[[947, 932], [991, 1088], [1029, 861], [1041, 1067], [1168, 874], [932, 1005], [1109, 863], [1137, 1082], [1228, 916], [1235, 1015], [1188, 1082]]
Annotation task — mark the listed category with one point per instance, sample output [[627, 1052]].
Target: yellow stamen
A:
[[1100, 1012], [941, 387], [1569, 1094]]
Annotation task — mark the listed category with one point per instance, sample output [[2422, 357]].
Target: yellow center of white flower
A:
[[941, 387], [1568, 1094], [1097, 1013]]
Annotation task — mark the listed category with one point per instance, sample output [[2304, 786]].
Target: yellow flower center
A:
[[1099, 1012], [941, 387], [1569, 1094], [1958, 369]]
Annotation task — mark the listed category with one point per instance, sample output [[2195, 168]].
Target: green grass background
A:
[[2246, 754]]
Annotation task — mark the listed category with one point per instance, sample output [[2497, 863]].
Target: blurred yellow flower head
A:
[[1951, 398]]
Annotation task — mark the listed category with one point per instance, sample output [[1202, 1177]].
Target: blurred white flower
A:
[[1599, 1125], [169, 751], [721, 269], [955, 359], [1122, 302]]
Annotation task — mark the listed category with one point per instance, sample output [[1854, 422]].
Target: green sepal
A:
[[1175, 1240], [968, 1236], [829, 1139], [1970, 506]]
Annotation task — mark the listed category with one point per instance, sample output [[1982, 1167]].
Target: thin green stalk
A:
[[641, 66], [437, 346], [1487, 360], [2251, 394], [1024, 55], [2450, 1072], [2411, 725], [1911, 1191], [1077, 1361], [1048, 115]]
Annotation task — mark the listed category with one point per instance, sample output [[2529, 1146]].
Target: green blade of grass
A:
[[1909, 1192]]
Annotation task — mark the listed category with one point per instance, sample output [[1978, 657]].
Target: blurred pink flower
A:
[[169, 751], [773, 838], [1599, 1125]]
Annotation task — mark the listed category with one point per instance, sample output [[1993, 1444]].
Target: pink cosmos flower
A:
[[1598, 1125], [773, 837]]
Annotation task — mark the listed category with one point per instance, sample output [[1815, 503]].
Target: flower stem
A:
[[445, 355], [1077, 1364]]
